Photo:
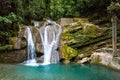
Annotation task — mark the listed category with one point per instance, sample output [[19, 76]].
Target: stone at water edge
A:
[[84, 60], [106, 59], [66, 61]]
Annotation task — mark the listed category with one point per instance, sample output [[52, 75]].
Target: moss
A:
[[76, 19], [80, 20], [12, 40], [88, 41], [81, 38], [68, 52], [2, 48], [81, 34], [91, 30]]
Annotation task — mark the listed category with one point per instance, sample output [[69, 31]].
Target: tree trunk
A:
[[114, 35]]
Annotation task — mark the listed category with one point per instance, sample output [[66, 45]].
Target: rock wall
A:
[[16, 51], [13, 56], [65, 21], [106, 58], [82, 38]]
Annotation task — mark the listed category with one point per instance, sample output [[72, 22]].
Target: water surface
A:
[[57, 72]]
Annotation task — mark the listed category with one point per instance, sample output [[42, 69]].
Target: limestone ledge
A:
[[106, 59]]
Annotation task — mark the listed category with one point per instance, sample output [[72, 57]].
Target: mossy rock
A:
[[91, 30], [80, 32], [82, 20], [6, 47], [76, 19], [95, 59], [82, 37], [12, 40], [83, 33], [68, 53]]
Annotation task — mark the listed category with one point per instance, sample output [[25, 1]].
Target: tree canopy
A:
[[15, 12], [54, 9]]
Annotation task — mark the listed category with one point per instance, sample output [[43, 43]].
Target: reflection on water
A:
[[57, 72]]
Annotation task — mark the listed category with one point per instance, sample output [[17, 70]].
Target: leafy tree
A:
[[54, 9], [5, 7], [114, 9]]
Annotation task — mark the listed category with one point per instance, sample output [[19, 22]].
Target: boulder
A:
[[106, 59], [65, 21], [66, 61], [84, 60], [13, 56]]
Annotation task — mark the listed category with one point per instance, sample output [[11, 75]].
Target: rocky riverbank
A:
[[80, 42], [81, 38]]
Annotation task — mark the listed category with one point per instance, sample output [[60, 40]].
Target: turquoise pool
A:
[[57, 72]]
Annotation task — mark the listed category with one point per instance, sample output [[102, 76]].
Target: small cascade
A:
[[50, 35], [36, 23], [31, 58]]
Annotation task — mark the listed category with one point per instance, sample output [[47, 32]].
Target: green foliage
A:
[[13, 12], [14, 18], [5, 7], [2, 48], [7, 34], [77, 8], [10, 18], [9, 26], [40, 9], [5, 20], [56, 9], [114, 6], [114, 10]]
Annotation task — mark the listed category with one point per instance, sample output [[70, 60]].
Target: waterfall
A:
[[31, 58], [50, 35], [36, 23]]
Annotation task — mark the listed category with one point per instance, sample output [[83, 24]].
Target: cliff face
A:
[[16, 50], [81, 38]]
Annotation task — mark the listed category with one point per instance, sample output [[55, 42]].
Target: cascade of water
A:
[[36, 23], [31, 60], [50, 35]]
